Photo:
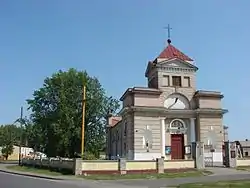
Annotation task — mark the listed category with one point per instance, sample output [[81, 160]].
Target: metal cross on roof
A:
[[168, 29]]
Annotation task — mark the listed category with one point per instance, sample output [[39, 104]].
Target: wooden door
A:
[[177, 146]]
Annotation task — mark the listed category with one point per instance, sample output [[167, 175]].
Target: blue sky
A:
[[113, 40]]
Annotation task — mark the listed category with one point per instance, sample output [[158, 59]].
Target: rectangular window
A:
[[186, 81], [165, 81], [176, 81]]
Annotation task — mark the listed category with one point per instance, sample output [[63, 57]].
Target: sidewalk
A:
[[226, 171]]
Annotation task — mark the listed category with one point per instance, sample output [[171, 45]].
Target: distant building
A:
[[245, 148], [25, 152]]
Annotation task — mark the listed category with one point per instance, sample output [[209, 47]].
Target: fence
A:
[[66, 165], [243, 162], [122, 166]]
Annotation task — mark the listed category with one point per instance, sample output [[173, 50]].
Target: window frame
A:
[[168, 80], [189, 80], [174, 78]]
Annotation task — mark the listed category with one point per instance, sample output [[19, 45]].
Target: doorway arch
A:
[[177, 131]]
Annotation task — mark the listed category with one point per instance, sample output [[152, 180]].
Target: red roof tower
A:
[[170, 52]]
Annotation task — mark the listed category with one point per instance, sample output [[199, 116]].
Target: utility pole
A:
[[83, 117], [21, 125]]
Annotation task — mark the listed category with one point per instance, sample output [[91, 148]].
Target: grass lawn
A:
[[224, 184], [245, 168], [193, 173], [34, 170]]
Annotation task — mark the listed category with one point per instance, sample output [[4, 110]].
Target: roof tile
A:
[[170, 52]]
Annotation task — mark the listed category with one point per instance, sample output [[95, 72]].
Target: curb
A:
[[31, 175]]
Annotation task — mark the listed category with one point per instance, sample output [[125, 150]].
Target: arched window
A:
[[177, 126]]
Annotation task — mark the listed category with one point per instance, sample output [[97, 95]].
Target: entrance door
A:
[[177, 146]]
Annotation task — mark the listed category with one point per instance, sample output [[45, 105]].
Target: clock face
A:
[[176, 101]]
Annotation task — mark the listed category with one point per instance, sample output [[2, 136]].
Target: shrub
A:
[[89, 156]]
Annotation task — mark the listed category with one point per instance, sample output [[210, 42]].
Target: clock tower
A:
[[174, 73]]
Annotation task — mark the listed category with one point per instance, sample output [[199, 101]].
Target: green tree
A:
[[25, 132], [7, 150], [33, 136], [12, 132], [56, 114], [8, 137]]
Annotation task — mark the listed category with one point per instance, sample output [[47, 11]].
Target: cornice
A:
[[208, 94], [177, 112], [141, 90], [177, 69]]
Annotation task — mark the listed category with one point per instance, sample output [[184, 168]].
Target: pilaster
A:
[[160, 165], [163, 137], [192, 130], [78, 166]]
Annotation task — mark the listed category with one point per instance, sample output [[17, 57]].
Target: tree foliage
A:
[[7, 150], [56, 114], [9, 136]]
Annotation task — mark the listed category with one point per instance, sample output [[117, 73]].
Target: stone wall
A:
[[132, 167], [243, 162], [140, 126], [121, 166]]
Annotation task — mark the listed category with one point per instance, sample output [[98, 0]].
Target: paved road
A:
[[16, 181], [8, 180]]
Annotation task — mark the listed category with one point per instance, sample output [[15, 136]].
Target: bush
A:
[[89, 156]]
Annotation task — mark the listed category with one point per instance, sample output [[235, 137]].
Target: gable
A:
[[176, 63]]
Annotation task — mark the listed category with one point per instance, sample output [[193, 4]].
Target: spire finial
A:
[[168, 29]]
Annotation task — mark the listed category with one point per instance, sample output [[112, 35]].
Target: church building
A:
[[166, 117]]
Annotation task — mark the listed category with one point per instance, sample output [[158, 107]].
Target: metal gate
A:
[[209, 159], [206, 156]]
